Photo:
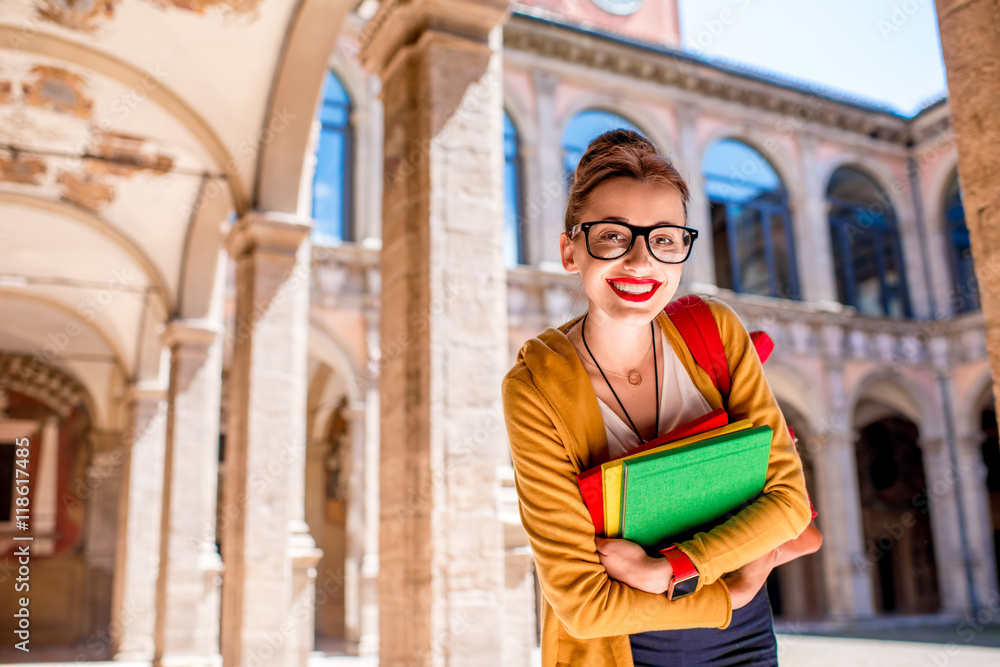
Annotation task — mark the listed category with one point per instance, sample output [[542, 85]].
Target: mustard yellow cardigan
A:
[[556, 431]]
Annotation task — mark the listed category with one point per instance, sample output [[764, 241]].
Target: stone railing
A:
[[347, 276], [539, 298]]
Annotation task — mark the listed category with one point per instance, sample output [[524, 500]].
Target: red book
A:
[[591, 481]]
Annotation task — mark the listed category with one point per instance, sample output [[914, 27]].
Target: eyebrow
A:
[[618, 218]]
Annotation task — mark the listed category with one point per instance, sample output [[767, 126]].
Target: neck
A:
[[617, 347]]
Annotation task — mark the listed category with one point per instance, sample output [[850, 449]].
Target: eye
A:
[[612, 237]]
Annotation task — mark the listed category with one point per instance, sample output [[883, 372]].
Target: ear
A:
[[566, 253]]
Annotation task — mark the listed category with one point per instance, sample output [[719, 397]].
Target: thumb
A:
[[601, 543]]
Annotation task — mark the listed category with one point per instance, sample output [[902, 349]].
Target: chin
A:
[[634, 315]]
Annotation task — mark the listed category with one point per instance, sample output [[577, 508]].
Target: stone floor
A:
[[913, 642]]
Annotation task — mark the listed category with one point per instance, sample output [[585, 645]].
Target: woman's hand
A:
[[627, 562], [745, 582]]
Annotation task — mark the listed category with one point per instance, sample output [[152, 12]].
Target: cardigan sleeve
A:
[[782, 512], [587, 602]]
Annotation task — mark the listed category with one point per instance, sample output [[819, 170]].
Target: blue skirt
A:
[[749, 640]]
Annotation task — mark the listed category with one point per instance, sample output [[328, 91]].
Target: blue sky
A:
[[882, 51]]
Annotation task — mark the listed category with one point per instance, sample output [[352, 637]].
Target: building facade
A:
[[254, 331]]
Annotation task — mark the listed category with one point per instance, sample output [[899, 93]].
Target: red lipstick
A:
[[634, 295]]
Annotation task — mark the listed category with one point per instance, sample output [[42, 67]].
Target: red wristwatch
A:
[[684, 581]]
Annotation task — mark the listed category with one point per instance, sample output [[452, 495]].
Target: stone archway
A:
[[796, 589], [896, 521], [48, 437], [990, 450]]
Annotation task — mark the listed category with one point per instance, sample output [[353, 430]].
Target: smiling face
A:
[[634, 288]]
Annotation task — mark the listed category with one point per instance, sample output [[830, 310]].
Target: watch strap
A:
[[684, 581]]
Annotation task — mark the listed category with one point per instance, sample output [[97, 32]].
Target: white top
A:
[[680, 402]]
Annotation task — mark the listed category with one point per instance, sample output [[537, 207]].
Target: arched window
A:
[[867, 255], [331, 195], [966, 291], [513, 248], [579, 132], [751, 223]]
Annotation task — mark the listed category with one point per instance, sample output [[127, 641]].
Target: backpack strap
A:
[[694, 321]]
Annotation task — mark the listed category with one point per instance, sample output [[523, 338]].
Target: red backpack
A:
[[696, 325]]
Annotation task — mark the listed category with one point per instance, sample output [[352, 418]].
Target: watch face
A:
[[619, 7]]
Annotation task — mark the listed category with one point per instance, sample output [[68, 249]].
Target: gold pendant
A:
[[634, 378]]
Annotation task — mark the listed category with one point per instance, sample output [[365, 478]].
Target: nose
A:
[[639, 257]]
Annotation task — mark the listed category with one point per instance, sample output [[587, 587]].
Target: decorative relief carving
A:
[[35, 378], [57, 89], [22, 169], [83, 15], [677, 69], [85, 190], [125, 154]]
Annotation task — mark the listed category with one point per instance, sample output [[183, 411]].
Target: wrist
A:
[[684, 578]]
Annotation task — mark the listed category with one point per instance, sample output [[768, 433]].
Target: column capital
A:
[[545, 81], [104, 441], [400, 23], [267, 230], [192, 332], [145, 392]]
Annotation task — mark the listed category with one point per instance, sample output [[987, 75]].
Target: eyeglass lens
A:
[[609, 240]]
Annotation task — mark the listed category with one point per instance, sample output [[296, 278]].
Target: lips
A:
[[634, 289]]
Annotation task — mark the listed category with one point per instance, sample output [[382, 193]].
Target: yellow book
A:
[[611, 473]]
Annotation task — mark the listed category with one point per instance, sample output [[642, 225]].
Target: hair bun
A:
[[617, 137]]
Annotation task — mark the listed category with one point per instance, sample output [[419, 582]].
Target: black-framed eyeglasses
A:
[[606, 239]]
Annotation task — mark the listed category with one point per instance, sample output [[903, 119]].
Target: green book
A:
[[668, 495]]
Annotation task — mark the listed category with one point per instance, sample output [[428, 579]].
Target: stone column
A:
[[47, 489], [942, 479], [267, 592], [700, 268], [187, 618], [443, 331], [355, 525], [814, 254], [970, 42], [133, 611], [100, 491], [544, 183], [979, 520], [368, 641], [847, 568]]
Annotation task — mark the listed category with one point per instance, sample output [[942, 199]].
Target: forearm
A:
[[782, 512], [807, 543]]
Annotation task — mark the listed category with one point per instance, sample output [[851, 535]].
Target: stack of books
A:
[[685, 481]]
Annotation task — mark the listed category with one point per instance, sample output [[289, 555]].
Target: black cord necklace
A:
[[656, 378]]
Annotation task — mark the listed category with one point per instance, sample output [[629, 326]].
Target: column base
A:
[[181, 660]]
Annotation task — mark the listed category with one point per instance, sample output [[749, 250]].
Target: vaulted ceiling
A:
[[131, 133]]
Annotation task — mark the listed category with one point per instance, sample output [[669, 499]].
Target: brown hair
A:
[[620, 153]]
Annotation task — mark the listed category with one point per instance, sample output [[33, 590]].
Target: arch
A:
[[902, 395], [879, 172], [332, 182], [326, 348], [103, 228], [642, 118], [772, 151], [80, 54], [520, 114], [751, 220], [295, 91], [867, 242], [953, 230], [938, 184], [99, 407], [513, 185], [789, 387], [977, 399]]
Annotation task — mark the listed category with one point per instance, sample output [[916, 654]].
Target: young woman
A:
[[612, 379]]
